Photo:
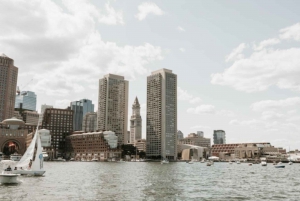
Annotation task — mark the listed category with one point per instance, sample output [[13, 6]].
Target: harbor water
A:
[[154, 181]]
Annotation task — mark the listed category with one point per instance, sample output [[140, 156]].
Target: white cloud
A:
[[200, 127], [185, 96], [62, 49], [236, 53], [147, 8], [263, 68], [181, 29], [291, 32], [182, 49], [64, 103], [265, 43], [202, 109], [275, 104], [226, 113], [112, 17]]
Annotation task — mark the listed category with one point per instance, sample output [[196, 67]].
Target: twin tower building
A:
[[161, 117]]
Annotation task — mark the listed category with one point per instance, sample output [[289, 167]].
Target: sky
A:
[[237, 62]]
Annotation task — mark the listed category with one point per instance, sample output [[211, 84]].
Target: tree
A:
[[128, 149]]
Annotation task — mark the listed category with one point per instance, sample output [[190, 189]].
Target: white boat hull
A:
[[29, 172], [9, 178]]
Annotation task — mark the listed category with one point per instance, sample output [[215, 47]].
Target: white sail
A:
[[24, 161], [38, 159]]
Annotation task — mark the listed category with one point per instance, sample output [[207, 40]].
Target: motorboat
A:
[[121, 161], [263, 163], [279, 165], [208, 163], [290, 163], [165, 161], [31, 162], [250, 164], [15, 157], [202, 161], [59, 159], [72, 159], [45, 155], [190, 162], [238, 162], [230, 162], [7, 176], [95, 160]]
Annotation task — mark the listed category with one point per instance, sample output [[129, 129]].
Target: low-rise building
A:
[[141, 144], [96, 145], [191, 152], [196, 140]]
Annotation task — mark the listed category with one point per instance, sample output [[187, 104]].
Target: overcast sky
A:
[[238, 62]]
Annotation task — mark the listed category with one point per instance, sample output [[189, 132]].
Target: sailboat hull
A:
[[30, 172]]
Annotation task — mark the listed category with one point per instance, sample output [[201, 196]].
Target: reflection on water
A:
[[153, 181]]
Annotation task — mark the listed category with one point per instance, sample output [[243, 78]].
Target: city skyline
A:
[[237, 74]]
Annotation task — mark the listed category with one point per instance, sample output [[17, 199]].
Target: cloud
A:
[[264, 67], [182, 49], [275, 104], [181, 29], [265, 43], [113, 17], [64, 103], [61, 48], [236, 53], [147, 8], [200, 127], [202, 109], [185, 96]]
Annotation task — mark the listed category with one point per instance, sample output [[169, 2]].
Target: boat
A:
[[190, 162], [238, 162], [72, 159], [31, 162], [230, 162], [7, 176], [263, 163], [15, 157], [95, 160], [250, 164], [45, 155], [208, 163], [59, 159], [290, 163], [164, 161], [202, 161], [279, 165]]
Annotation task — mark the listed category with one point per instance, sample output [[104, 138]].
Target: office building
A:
[[60, 124], [162, 115], [140, 144], [179, 135], [8, 84], [25, 100], [113, 106], [194, 139], [43, 108], [135, 122], [200, 133], [31, 117], [89, 123], [219, 137], [80, 109]]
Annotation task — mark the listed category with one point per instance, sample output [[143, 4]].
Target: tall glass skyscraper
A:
[[26, 100], [219, 137], [80, 108]]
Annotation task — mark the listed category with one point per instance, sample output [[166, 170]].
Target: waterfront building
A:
[[89, 123], [60, 123], [140, 144], [161, 121], [135, 122], [196, 140], [200, 133], [113, 106], [95, 145], [179, 135], [43, 108], [13, 134], [219, 137], [80, 108], [8, 84], [192, 152], [31, 117], [25, 100]]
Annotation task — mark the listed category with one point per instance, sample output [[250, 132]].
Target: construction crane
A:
[[18, 88]]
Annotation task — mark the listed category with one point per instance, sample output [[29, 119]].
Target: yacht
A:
[[238, 162], [290, 163], [279, 165], [263, 163]]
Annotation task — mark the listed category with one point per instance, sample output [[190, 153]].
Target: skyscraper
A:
[[219, 137], [26, 100], [8, 84], [89, 123], [200, 133], [80, 108], [135, 122], [43, 108], [162, 114], [113, 105]]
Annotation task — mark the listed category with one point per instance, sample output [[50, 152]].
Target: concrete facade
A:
[[89, 123], [162, 115], [135, 122], [141, 145], [113, 106], [8, 84], [194, 139]]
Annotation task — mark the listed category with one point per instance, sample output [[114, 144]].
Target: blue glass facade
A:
[[27, 99], [80, 108]]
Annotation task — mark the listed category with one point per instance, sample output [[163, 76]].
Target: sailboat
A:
[[33, 155]]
